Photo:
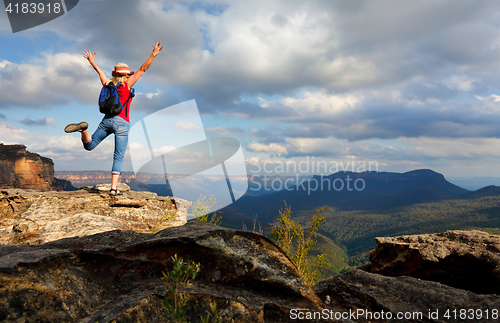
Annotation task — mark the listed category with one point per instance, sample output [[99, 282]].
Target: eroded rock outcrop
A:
[[33, 217], [371, 297], [443, 277], [116, 277], [20, 168], [463, 259]]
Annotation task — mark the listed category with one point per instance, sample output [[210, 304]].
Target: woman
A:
[[120, 124]]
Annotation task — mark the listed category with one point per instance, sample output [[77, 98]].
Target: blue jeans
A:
[[120, 128]]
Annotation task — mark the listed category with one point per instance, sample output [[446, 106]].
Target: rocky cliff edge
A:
[[115, 275], [20, 168], [34, 217]]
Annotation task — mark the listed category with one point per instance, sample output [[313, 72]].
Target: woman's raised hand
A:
[[156, 48], [88, 55]]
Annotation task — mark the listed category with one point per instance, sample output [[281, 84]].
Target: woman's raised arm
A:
[[156, 50], [88, 55]]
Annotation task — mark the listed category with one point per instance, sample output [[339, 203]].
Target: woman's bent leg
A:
[[86, 137], [99, 134]]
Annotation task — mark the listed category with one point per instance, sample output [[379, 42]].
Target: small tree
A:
[[177, 279], [212, 315], [297, 242], [162, 222], [284, 231], [201, 209]]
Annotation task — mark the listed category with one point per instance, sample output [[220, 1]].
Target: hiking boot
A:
[[74, 127]]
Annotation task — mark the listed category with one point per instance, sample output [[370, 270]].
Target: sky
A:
[[401, 85]]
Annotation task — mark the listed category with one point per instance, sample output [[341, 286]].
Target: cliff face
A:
[[21, 169]]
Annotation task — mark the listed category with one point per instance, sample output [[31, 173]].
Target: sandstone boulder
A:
[[374, 296], [32, 217], [463, 259], [115, 276]]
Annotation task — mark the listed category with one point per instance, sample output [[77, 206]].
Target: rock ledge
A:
[[33, 217]]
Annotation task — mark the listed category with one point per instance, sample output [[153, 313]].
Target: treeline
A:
[[348, 236]]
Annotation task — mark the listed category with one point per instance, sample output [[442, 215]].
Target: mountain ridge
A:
[[351, 191]]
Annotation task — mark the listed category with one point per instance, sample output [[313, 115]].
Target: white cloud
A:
[[321, 104], [12, 135], [461, 82], [274, 148], [452, 148], [415, 152], [491, 103], [264, 46], [187, 125], [50, 80], [38, 122], [219, 131], [153, 101], [162, 150]]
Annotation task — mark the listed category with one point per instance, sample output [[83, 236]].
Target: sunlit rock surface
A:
[[115, 276], [33, 217]]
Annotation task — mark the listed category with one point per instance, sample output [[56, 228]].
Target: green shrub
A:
[[176, 280], [296, 242], [201, 209], [212, 315], [162, 222]]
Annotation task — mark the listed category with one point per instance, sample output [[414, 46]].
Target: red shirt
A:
[[124, 94]]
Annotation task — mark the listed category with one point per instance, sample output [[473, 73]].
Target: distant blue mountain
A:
[[367, 191], [490, 190]]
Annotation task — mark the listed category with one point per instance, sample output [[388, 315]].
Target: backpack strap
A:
[[129, 96]]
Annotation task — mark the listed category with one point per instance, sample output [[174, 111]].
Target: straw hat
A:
[[122, 69]]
